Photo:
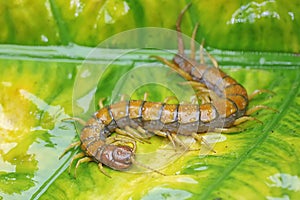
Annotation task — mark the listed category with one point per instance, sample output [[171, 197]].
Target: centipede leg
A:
[[145, 96], [192, 56], [123, 132], [213, 60], [144, 132], [194, 99], [173, 139], [196, 85], [201, 90], [257, 92], [204, 97], [132, 134], [228, 130], [123, 97], [137, 133], [116, 141], [182, 73], [170, 98], [82, 160], [102, 170], [202, 61], [71, 146], [201, 52], [178, 141], [79, 155], [161, 133], [100, 103], [167, 135], [202, 140], [244, 119], [259, 107]]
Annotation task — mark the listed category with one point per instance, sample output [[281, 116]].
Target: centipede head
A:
[[117, 157]]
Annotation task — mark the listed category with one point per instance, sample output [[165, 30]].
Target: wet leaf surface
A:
[[42, 85], [260, 162]]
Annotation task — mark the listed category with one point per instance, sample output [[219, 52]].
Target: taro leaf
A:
[[37, 85]]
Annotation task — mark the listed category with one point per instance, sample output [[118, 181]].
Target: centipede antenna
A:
[[178, 29], [145, 166]]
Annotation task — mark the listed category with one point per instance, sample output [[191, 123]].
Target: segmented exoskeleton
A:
[[225, 107]]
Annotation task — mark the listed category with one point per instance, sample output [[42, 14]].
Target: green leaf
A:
[[41, 86], [259, 25], [260, 162]]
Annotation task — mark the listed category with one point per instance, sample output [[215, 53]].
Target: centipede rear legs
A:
[[201, 90], [180, 65]]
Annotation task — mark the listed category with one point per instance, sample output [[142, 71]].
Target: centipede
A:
[[224, 109]]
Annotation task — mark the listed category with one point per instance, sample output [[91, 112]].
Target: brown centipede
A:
[[228, 99], [136, 118]]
